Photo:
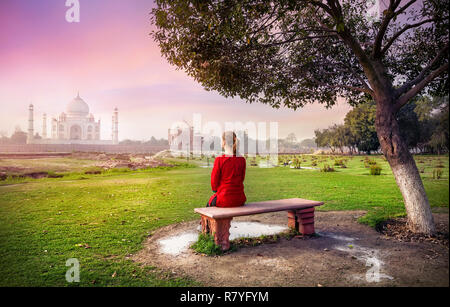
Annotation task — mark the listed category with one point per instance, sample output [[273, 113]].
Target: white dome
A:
[[77, 107]]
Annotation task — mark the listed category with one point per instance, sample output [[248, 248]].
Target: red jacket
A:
[[227, 180]]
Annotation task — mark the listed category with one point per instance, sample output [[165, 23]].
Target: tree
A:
[[296, 52], [291, 138], [409, 124], [338, 135], [310, 143], [18, 137], [432, 114], [361, 122], [324, 138]]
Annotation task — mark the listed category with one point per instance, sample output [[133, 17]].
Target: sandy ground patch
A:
[[345, 254]]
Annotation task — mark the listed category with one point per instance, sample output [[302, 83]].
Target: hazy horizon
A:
[[110, 58]]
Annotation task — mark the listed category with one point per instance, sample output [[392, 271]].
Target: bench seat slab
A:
[[259, 207]]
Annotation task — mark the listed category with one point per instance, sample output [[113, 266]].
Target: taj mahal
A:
[[75, 126]]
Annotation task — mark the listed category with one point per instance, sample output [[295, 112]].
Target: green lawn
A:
[[43, 222]]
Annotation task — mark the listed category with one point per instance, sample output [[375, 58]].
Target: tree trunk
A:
[[404, 168]]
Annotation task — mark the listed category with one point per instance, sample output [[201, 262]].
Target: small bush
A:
[[437, 173], [297, 163], [368, 163], [340, 162], [375, 169], [326, 168], [206, 245], [284, 161]]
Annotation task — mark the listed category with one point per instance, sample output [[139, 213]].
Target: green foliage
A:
[[340, 162], [253, 50], [375, 169], [296, 163], [369, 162], [361, 123], [206, 245], [326, 168], [437, 173]]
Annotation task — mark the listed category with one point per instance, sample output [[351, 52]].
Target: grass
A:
[[101, 219], [206, 245]]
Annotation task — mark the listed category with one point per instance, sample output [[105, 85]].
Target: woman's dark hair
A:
[[230, 140]]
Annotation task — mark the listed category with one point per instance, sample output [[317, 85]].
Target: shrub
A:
[[284, 161], [375, 169], [326, 168], [296, 163], [368, 163], [437, 173], [206, 245], [340, 162]]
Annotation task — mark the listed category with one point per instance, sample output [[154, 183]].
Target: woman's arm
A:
[[215, 176]]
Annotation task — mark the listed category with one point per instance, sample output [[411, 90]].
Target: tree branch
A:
[[405, 87], [403, 8], [420, 86], [404, 29], [383, 28], [353, 88]]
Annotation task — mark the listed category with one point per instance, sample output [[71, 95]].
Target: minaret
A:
[[116, 126], [44, 126], [30, 125]]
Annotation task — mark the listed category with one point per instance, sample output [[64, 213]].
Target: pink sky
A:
[[110, 58]]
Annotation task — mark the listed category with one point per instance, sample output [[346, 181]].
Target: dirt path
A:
[[345, 254]]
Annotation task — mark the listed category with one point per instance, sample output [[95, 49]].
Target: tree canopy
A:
[[294, 52]]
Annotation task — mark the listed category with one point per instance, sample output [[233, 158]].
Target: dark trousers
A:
[[212, 203]]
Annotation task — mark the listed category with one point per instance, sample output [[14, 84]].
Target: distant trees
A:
[[291, 144], [424, 126], [18, 137], [153, 141], [291, 138], [356, 134], [309, 143], [433, 119], [361, 123]]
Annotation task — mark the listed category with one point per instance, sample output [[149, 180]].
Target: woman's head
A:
[[229, 141]]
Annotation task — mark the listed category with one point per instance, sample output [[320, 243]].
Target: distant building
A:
[[75, 126], [181, 138]]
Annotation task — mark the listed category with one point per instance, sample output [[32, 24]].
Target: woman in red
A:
[[227, 177]]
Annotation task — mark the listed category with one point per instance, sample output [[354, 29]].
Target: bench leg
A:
[[292, 219], [220, 228], [302, 220]]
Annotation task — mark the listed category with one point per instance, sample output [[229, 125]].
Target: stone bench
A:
[[217, 221]]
